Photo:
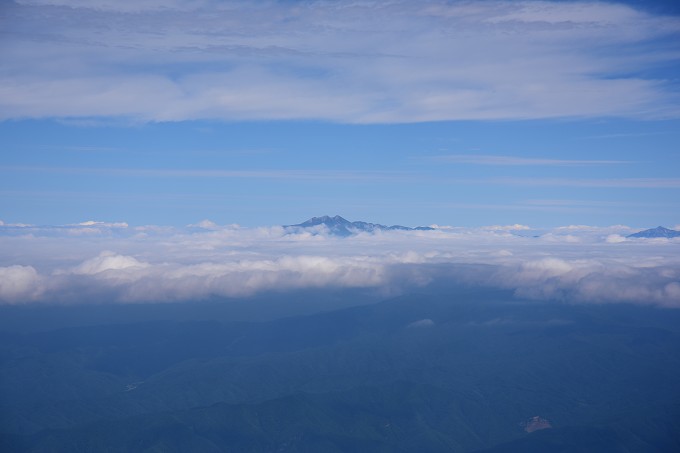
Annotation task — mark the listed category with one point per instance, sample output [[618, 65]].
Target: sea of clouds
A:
[[98, 262]]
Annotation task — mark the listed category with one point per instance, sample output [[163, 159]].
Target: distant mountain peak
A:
[[324, 219], [658, 232], [340, 226]]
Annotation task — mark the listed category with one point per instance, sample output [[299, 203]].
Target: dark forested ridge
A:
[[459, 372]]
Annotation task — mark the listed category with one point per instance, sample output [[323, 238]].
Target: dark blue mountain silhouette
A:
[[658, 232], [343, 227]]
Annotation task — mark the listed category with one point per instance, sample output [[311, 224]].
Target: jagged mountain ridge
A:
[[340, 226], [658, 232]]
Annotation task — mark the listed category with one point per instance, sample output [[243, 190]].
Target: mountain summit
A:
[[658, 232], [342, 227]]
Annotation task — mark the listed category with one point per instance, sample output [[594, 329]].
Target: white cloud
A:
[[615, 238], [107, 261], [206, 225], [515, 227], [596, 14], [19, 284], [581, 264], [633, 183], [552, 237], [521, 161], [595, 280], [422, 323], [357, 62], [126, 6], [586, 228], [97, 223]]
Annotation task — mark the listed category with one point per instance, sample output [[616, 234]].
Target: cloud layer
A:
[[98, 262], [356, 62]]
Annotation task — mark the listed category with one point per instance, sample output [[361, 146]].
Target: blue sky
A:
[[266, 113]]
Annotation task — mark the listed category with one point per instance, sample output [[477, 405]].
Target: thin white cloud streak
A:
[[291, 174], [588, 203], [155, 264], [360, 62], [623, 183], [355, 175], [122, 5], [521, 161], [515, 227]]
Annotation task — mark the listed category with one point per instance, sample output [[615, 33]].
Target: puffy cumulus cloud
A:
[[594, 280], [19, 284], [107, 261], [247, 277], [156, 264], [365, 62]]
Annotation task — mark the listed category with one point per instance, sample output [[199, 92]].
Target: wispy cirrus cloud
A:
[[361, 62], [522, 161], [623, 183], [293, 174], [352, 175]]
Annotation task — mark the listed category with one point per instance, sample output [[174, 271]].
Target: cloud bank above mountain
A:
[[351, 62], [98, 262]]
